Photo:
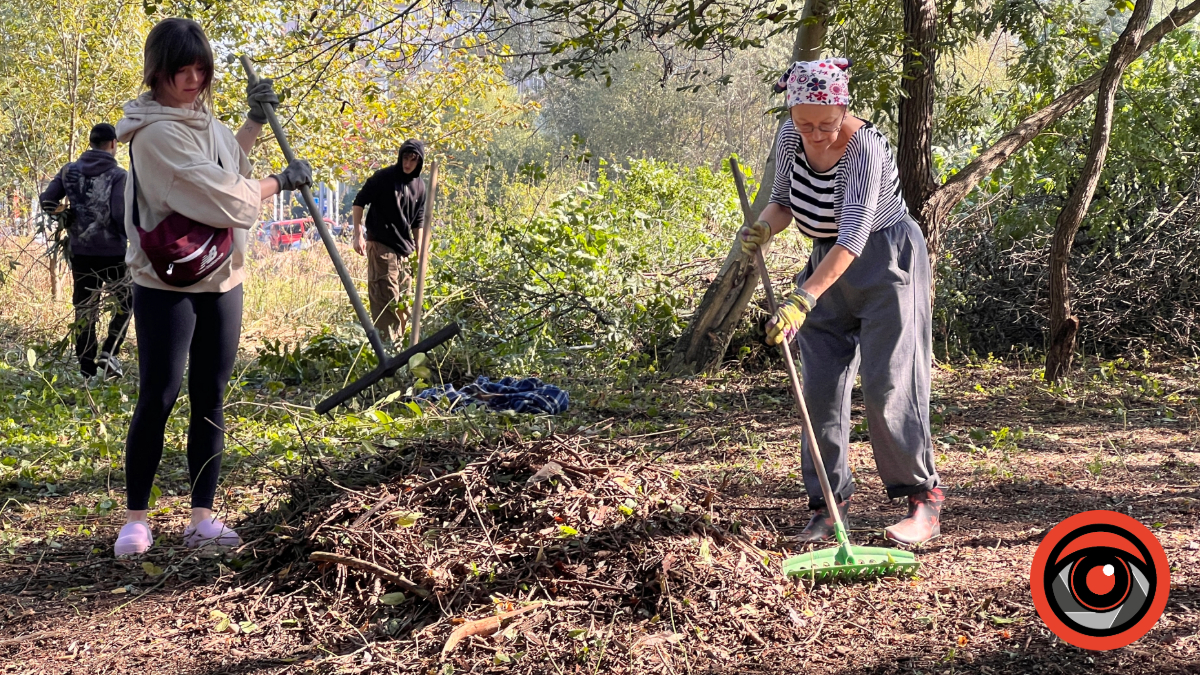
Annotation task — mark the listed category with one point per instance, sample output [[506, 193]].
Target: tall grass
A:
[[289, 294]]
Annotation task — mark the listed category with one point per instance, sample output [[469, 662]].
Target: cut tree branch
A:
[[365, 566]]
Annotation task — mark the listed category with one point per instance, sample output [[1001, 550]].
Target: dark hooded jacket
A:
[[397, 202], [96, 187]]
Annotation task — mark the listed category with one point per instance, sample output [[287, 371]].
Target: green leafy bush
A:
[[608, 268]]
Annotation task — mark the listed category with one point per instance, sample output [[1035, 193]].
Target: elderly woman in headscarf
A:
[[861, 305]]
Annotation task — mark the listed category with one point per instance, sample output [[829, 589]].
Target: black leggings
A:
[[174, 328]]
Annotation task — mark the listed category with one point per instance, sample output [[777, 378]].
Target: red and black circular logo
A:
[[1100, 580]]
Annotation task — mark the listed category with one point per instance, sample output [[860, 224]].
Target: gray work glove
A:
[[259, 94], [297, 174]]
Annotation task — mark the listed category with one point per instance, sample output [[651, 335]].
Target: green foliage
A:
[[353, 88], [679, 117], [350, 96], [46, 436], [1132, 262], [996, 61], [592, 272], [992, 450], [1155, 117], [64, 66], [330, 356]]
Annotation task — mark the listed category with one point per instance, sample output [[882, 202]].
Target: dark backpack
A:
[[89, 217]]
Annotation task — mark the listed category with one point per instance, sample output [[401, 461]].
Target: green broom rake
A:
[[846, 562]]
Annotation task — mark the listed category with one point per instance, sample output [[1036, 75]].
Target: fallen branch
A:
[[364, 566], [584, 583], [491, 624], [237, 592], [361, 520], [746, 627], [484, 626], [457, 475], [32, 636], [584, 470]]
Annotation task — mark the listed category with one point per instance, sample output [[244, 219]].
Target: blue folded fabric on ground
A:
[[529, 395]]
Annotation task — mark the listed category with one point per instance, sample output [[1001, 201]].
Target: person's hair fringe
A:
[[174, 44]]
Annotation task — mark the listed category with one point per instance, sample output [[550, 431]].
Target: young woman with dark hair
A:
[[184, 162]]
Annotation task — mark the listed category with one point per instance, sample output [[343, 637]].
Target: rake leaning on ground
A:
[[846, 562]]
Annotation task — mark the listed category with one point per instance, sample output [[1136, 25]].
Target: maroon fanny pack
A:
[[182, 251]]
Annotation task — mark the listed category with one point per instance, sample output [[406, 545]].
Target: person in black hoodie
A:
[[395, 196], [96, 240]]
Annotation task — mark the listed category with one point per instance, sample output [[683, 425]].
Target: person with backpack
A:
[[190, 205], [94, 186], [394, 200]]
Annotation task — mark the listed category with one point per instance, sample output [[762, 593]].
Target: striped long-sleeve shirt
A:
[[859, 195]]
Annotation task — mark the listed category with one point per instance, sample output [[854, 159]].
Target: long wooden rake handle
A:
[[364, 317], [793, 376], [426, 240]]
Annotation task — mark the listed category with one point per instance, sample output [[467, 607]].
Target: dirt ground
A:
[[649, 551]]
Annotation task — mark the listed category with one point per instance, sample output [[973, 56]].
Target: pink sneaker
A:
[[210, 532], [133, 539]]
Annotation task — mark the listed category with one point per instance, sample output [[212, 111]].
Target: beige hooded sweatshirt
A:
[[186, 162]]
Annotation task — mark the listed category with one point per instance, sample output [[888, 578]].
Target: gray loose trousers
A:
[[874, 321]]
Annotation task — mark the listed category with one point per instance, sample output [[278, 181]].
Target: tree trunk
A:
[[914, 156], [701, 347], [1063, 326]]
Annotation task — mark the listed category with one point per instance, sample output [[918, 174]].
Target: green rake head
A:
[[850, 563]]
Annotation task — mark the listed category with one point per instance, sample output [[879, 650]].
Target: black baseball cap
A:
[[102, 133]]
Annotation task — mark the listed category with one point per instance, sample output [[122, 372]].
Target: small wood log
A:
[[44, 635], [490, 624], [485, 626]]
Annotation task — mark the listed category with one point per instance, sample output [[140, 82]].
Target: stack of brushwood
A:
[[522, 553], [1135, 288]]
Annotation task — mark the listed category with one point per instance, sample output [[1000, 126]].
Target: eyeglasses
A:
[[824, 128]]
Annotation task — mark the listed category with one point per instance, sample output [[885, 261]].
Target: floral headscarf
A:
[[823, 82]]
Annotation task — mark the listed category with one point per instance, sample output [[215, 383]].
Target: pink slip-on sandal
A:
[[133, 539], [210, 532]]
